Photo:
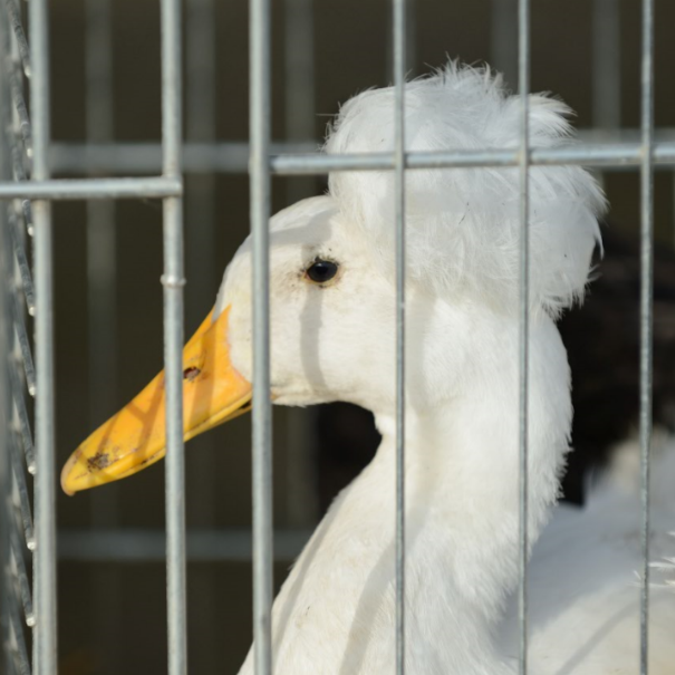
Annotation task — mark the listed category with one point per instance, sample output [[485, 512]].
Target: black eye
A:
[[321, 271]]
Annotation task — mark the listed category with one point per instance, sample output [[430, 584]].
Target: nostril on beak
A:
[[191, 373]]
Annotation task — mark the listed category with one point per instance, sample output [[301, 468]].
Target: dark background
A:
[[112, 615]]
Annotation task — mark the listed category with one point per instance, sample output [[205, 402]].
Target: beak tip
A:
[[68, 480]]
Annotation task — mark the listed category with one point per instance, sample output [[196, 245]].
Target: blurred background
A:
[[105, 70]]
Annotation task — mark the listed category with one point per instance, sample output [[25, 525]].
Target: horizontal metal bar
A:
[[150, 545], [601, 155], [93, 188], [227, 157], [233, 157]]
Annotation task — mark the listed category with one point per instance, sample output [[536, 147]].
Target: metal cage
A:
[[28, 161]]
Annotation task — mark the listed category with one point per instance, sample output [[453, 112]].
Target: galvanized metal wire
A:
[[646, 309], [45, 632], [259, 131], [17, 372], [524, 326], [399, 61], [27, 188], [173, 282]]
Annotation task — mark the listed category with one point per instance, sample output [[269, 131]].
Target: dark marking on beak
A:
[[99, 461]]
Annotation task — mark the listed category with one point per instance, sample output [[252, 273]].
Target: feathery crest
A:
[[462, 224]]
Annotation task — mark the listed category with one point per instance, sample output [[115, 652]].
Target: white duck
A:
[[332, 299]]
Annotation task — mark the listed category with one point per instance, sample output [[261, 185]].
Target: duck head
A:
[[332, 272], [332, 327]]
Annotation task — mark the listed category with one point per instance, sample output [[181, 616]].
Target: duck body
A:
[[584, 580], [335, 612]]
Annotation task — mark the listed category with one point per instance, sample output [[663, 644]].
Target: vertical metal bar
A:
[[606, 64], [399, 36], [173, 283], [410, 41], [15, 510], [260, 115], [524, 321], [44, 634], [646, 305]]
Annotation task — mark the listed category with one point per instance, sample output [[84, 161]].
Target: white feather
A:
[[463, 225]]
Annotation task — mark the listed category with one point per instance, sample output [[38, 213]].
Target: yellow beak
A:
[[213, 393]]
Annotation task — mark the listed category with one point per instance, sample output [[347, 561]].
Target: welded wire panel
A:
[[9, 523], [260, 129], [399, 62], [646, 308], [18, 378], [524, 323]]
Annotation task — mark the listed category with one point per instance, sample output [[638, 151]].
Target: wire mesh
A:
[[25, 177], [17, 372]]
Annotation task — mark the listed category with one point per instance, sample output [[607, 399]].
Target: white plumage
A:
[[335, 341], [463, 225]]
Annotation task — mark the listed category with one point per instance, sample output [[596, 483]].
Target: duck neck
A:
[[462, 471]]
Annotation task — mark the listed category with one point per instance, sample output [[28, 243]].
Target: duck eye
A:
[[321, 271]]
